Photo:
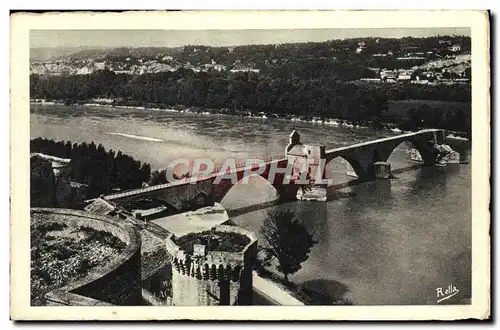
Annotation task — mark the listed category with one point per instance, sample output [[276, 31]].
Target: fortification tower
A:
[[42, 182], [58, 181], [62, 175], [208, 274]]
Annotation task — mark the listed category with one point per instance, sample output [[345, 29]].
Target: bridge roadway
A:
[[400, 137], [361, 157], [240, 167]]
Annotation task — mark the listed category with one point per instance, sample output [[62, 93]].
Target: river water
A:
[[392, 242]]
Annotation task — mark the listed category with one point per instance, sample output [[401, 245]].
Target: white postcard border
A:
[[19, 167]]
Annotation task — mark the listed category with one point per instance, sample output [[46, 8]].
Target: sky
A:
[[174, 38]]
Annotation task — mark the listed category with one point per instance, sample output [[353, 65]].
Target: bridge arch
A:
[[355, 165], [424, 147], [258, 187], [199, 200]]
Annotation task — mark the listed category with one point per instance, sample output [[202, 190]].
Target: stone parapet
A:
[[115, 283]]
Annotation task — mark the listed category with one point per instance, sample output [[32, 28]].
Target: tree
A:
[[101, 170], [288, 241]]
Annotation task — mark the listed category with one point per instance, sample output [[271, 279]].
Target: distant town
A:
[[439, 61]]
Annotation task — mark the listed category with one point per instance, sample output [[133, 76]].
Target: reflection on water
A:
[[392, 242], [335, 291]]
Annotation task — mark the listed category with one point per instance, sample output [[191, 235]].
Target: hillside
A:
[[61, 53], [459, 65], [363, 57], [352, 79]]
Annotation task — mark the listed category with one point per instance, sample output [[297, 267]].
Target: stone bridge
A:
[[205, 190], [362, 156]]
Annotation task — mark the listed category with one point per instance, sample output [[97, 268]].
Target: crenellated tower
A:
[[208, 275]]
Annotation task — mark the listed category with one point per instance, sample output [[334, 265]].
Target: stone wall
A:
[[218, 278], [314, 156], [152, 300], [116, 283], [50, 181], [42, 183], [62, 175]]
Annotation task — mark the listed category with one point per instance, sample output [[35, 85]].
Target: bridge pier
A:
[[382, 170], [287, 192]]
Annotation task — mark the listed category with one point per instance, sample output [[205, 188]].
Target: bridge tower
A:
[[294, 141], [307, 160], [203, 277], [50, 177]]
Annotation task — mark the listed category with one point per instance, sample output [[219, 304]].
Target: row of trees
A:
[[103, 171], [426, 117], [299, 92]]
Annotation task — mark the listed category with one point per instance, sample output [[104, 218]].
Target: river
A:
[[393, 242]]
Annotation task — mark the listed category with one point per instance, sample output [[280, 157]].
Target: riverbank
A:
[[333, 122], [296, 292]]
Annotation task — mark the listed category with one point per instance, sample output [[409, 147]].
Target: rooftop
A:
[[100, 206]]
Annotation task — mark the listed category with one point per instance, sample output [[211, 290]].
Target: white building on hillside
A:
[[243, 68], [454, 48]]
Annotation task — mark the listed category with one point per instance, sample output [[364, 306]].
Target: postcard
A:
[[300, 165]]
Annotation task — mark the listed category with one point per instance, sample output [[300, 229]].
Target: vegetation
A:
[[103, 171], [288, 241], [102, 236], [60, 254], [272, 55], [305, 80], [213, 240], [322, 97]]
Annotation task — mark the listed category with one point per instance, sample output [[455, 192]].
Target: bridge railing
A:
[[243, 164], [240, 165], [396, 137]]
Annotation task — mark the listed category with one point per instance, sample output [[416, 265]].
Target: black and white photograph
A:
[[257, 166]]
